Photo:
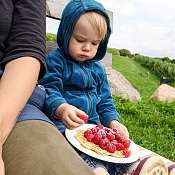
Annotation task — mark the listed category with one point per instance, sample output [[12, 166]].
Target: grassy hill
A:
[[145, 82], [150, 124]]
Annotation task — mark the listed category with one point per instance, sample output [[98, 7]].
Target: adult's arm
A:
[[23, 54], [16, 85]]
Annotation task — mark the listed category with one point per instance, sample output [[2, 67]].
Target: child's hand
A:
[[120, 127], [70, 115]]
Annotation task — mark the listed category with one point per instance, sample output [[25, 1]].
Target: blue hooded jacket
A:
[[83, 85]]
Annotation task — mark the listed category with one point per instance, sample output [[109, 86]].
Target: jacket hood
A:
[[71, 13]]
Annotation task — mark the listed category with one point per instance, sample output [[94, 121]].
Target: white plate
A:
[[70, 134]]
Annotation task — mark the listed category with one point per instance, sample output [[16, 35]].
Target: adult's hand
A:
[[2, 170]]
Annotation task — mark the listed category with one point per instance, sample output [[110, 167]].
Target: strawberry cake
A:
[[104, 141]]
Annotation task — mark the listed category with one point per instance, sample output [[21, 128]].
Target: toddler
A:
[[76, 82]]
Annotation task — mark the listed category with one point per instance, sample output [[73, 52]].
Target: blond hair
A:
[[98, 22]]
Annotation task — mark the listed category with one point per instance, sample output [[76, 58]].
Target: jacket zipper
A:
[[89, 107]]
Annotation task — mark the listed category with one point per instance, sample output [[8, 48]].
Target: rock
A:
[[120, 86], [164, 93]]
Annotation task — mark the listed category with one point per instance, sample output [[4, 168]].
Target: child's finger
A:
[[123, 130], [71, 124], [82, 115], [74, 120], [74, 117]]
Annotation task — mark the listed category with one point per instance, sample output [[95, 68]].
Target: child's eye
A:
[[95, 44], [80, 40]]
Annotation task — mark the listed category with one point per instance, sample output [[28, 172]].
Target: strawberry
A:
[[84, 118], [119, 138], [126, 153], [100, 126], [107, 130], [126, 143], [114, 142], [94, 130], [115, 131], [110, 136], [97, 138], [90, 137], [103, 143], [110, 148], [119, 147], [87, 132], [102, 132]]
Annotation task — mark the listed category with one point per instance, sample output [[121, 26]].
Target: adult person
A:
[[26, 134]]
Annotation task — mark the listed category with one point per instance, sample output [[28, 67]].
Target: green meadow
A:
[[151, 124]]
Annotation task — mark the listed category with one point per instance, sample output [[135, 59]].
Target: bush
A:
[[51, 37], [125, 52], [113, 51], [157, 66]]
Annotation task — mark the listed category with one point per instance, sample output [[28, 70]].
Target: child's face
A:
[[84, 41]]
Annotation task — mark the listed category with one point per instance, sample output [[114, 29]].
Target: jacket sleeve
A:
[[53, 83], [106, 108]]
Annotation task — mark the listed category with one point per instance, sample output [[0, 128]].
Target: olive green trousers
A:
[[37, 148]]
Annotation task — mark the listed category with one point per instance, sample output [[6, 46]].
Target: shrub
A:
[[125, 52], [114, 51], [51, 37]]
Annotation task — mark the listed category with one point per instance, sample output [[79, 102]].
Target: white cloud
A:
[[51, 25], [142, 26]]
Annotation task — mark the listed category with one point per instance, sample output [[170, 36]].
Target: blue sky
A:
[[143, 26]]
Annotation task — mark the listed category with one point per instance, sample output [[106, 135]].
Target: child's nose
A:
[[86, 47]]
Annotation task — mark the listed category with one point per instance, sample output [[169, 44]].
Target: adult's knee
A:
[[37, 148], [29, 150]]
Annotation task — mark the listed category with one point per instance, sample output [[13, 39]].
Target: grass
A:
[[145, 82], [173, 84], [151, 124]]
